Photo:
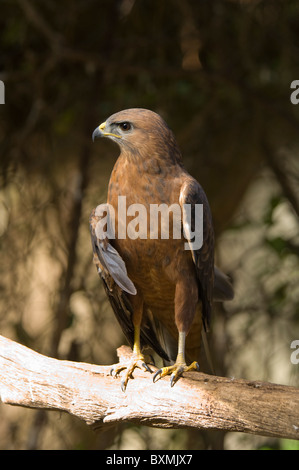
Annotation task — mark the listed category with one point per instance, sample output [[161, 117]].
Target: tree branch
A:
[[198, 401]]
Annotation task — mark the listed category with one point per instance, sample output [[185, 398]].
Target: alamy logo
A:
[[164, 222], [295, 354], [294, 95], [2, 92]]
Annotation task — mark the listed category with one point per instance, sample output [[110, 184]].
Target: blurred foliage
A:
[[283, 444], [220, 73]]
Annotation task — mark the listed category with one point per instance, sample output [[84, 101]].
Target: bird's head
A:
[[140, 132]]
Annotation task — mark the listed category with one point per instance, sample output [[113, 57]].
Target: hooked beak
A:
[[100, 132]]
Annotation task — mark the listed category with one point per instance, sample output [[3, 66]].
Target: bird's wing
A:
[[193, 200], [118, 287], [108, 258]]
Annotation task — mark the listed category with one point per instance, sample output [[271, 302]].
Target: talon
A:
[[115, 370], [135, 362], [156, 375], [172, 380], [123, 385], [176, 371], [147, 368]]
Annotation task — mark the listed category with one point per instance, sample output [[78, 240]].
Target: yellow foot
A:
[[176, 371], [136, 362]]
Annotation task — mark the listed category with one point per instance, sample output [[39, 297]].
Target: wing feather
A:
[[192, 194], [118, 287]]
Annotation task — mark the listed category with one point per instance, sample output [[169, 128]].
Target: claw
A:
[[176, 375], [116, 369], [172, 380], [176, 372], [123, 385], [155, 376], [135, 363], [146, 367]]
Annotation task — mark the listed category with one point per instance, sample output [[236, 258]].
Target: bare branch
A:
[[198, 401]]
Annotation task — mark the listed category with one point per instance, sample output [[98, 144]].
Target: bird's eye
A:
[[125, 126]]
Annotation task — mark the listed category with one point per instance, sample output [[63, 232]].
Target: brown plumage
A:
[[160, 292]]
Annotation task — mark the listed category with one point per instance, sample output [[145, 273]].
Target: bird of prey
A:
[[161, 292]]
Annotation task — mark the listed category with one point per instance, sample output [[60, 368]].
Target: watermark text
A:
[[294, 97], [156, 221], [295, 354], [2, 92]]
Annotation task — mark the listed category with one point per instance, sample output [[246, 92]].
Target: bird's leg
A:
[[137, 359], [186, 298], [180, 366]]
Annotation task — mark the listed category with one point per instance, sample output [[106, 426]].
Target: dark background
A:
[[219, 72]]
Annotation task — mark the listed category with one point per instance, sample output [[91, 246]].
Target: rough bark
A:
[[196, 401]]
